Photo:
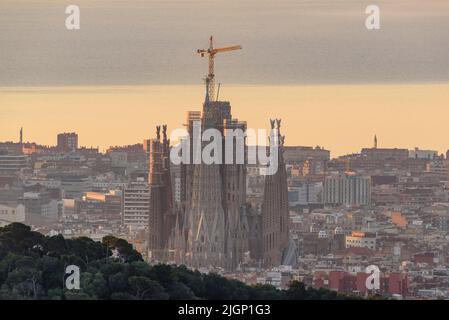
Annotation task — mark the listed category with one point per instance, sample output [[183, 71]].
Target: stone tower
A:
[[213, 224], [161, 217], [275, 215]]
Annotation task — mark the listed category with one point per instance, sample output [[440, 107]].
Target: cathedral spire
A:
[[158, 133]]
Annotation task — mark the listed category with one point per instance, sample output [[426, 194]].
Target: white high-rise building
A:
[[347, 189], [136, 204]]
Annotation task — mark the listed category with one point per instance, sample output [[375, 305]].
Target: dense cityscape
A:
[[318, 220], [344, 197]]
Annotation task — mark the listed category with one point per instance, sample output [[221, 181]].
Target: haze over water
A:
[[313, 63]]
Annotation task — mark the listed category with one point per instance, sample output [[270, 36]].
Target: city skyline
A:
[[327, 115], [124, 174], [316, 66]]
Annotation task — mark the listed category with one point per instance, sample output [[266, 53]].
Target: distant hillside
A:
[[32, 266]]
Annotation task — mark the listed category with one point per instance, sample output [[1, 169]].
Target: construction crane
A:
[[211, 52]]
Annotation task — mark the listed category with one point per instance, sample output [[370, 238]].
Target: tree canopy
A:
[[32, 266]]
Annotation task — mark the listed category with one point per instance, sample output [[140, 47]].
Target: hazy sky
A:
[[311, 62], [285, 41], [342, 118]]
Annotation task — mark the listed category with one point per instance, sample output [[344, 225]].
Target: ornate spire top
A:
[[278, 123], [164, 132], [158, 132]]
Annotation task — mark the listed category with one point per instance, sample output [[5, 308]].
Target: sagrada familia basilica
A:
[[213, 225]]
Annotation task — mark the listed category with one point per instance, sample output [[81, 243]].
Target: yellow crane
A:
[[211, 52]]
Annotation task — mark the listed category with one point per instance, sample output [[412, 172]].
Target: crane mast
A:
[[211, 52]]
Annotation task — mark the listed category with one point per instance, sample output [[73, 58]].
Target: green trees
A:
[[32, 266], [19, 238], [124, 250], [144, 288]]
